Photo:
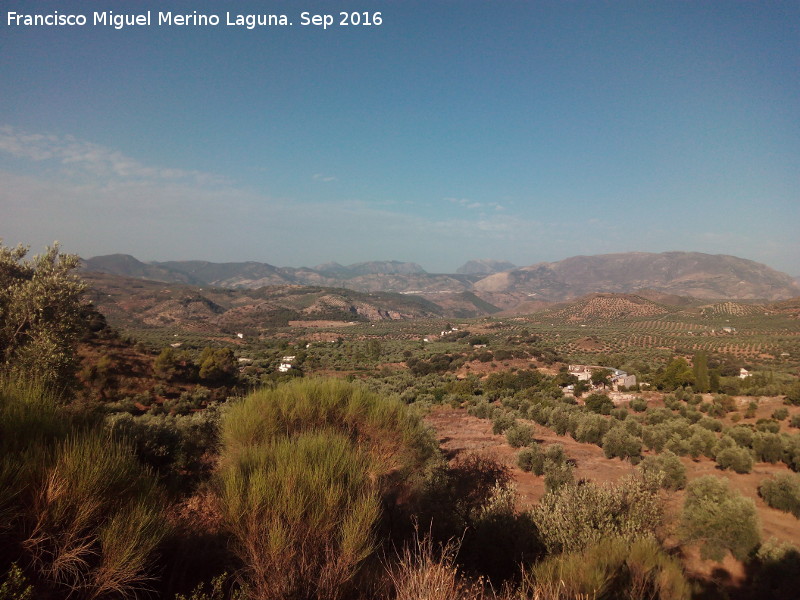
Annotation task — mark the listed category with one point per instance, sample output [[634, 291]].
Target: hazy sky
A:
[[523, 131]]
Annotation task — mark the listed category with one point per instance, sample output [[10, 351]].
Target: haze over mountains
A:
[[498, 283]]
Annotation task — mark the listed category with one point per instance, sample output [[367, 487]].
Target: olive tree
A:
[[40, 313], [719, 518]]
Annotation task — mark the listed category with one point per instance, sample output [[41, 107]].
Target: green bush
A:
[[669, 467], [531, 459], [85, 513], [502, 421], [719, 519], [519, 435], [558, 475], [301, 511], [768, 447], [591, 428], [574, 517], [599, 403], [742, 435], [768, 425], [609, 568], [638, 404], [736, 458], [795, 421], [386, 426], [780, 414], [782, 491], [304, 468], [619, 443]]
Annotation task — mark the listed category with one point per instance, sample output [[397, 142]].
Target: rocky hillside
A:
[[130, 302]]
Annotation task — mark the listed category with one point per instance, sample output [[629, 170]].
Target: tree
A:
[[165, 363], [217, 365], [40, 313], [719, 518], [601, 377], [702, 382], [677, 374]]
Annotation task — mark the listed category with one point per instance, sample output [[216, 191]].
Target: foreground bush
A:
[[610, 568], [782, 491], [305, 467], [719, 519], [74, 501], [301, 511], [393, 434], [579, 515]]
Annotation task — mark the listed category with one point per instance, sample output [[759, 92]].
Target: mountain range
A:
[[489, 283]]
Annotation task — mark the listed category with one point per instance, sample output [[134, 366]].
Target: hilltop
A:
[[668, 278]]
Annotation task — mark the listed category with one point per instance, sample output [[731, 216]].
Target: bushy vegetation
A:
[[305, 466], [668, 467], [609, 568], [75, 502], [719, 519], [782, 491], [41, 314], [575, 516]]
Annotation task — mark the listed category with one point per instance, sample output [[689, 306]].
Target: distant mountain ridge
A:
[[484, 266], [703, 276]]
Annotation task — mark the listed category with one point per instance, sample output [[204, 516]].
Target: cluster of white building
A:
[[618, 378]]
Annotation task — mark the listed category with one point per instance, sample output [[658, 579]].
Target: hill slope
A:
[[669, 274], [694, 274]]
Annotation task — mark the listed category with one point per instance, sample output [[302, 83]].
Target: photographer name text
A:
[[194, 19]]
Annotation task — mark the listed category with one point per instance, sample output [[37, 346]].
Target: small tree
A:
[[669, 467], [720, 519], [782, 491], [40, 313]]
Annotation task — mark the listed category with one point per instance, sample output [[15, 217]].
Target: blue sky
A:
[[522, 131]]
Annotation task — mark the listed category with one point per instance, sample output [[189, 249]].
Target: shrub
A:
[[782, 491], [591, 428], [600, 404], [638, 404], [557, 475], [42, 314], [610, 568], [301, 511], [720, 519], [780, 414], [669, 467], [768, 425], [85, 513], [386, 426], [620, 414], [618, 442], [710, 424], [423, 571], [531, 459], [775, 570], [742, 435], [768, 447], [502, 421], [702, 442], [519, 435], [795, 421], [305, 465], [736, 458], [573, 517]]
